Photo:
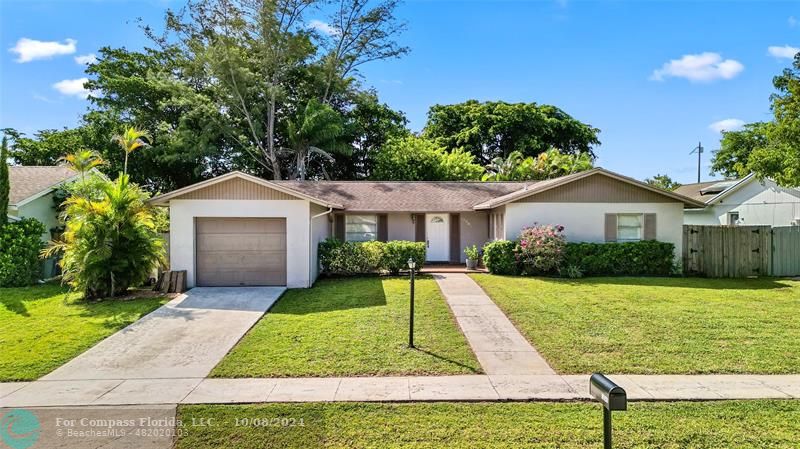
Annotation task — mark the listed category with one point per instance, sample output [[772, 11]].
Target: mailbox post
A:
[[612, 396], [411, 266]]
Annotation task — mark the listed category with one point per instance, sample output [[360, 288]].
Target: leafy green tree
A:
[[547, 165], [5, 183], [110, 242], [46, 146], [663, 182], [418, 159], [771, 149], [496, 129], [731, 159]]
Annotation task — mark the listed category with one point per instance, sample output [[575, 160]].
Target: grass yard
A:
[[677, 425], [656, 325], [43, 327], [352, 326]]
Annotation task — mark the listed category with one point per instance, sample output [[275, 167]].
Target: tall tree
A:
[[771, 149], [663, 182], [496, 129], [131, 140], [414, 158], [5, 182], [550, 164], [314, 134], [46, 147]]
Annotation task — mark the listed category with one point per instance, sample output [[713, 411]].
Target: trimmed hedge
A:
[[350, 258], [500, 257], [644, 258], [20, 244]]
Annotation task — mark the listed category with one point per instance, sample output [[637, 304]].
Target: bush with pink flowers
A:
[[540, 249]]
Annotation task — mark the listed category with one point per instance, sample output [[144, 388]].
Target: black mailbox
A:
[[611, 395]]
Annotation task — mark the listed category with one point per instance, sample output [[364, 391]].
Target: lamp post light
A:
[[411, 266]]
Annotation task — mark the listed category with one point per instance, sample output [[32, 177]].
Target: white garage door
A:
[[240, 251]]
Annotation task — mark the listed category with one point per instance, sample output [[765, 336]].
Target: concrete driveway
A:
[[184, 338]]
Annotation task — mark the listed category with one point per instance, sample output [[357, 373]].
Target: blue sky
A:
[[653, 76]]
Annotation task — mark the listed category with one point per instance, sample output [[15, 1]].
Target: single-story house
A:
[[744, 201], [239, 229], [31, 196]]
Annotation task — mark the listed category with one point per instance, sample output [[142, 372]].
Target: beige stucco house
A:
[[31, 196], [238, 229]]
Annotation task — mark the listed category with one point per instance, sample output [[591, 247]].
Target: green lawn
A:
[[656, 325], [352, 326], [43, 327], [677, 425]]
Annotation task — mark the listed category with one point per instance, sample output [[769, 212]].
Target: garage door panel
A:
[[242, 242], [240, 251], [240, 225]]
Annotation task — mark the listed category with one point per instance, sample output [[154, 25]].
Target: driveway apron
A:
[[184, 338]]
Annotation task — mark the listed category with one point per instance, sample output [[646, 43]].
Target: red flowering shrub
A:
[[541, 249]]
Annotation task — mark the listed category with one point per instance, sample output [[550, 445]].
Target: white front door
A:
[[437, 236]]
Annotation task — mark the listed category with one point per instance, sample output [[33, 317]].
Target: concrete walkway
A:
[[387, 389], [498, 345], [184, 338]]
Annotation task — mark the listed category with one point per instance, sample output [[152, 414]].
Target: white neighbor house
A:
[[239, 229], [745, 201]]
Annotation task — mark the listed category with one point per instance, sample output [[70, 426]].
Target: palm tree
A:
[[130, 140], [316, 127], [82, 161], [504, 169]]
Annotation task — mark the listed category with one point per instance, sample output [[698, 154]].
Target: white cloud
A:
[[700, 67], [91, 58], [792, 21], [785, 52], [72, 87], [729, 124], [31, 49], [323, 27]]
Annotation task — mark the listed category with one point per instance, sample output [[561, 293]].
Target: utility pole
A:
[[699, 150]]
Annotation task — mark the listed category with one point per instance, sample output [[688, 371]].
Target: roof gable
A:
[[592, 186], [237, 186]]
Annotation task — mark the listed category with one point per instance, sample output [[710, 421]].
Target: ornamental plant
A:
[[540, 249]]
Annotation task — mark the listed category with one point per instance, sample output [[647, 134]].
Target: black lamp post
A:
[[411, 265]]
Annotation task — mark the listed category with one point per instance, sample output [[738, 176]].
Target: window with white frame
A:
[[361, 228], [629, 227]]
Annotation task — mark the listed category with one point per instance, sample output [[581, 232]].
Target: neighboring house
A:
[[745, 201], [31, 196], [239, 229]]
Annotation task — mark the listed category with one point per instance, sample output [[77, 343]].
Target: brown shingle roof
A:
[[28, 181], [388, 196], [693, 191]]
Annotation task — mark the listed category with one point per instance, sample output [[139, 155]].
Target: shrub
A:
[[398, 252], [541, 249], [571, 271], [472, 253], [110, 242], [20, 244], [647, 257], [349, 258], [499, 257]]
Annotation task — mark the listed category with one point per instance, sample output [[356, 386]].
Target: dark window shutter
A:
[[419, 228], [338, 227], [649, 227], [611, 227], [383, 228], [455, 238]]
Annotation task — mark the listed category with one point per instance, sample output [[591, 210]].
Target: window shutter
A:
[[455, 238], [419, 229], [611, 227], [338, 227], [383, 228], [649, 232]]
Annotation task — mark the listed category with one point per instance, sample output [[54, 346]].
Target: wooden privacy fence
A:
[[741, 251]]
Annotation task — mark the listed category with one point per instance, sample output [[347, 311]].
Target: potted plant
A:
[[472, 256]]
